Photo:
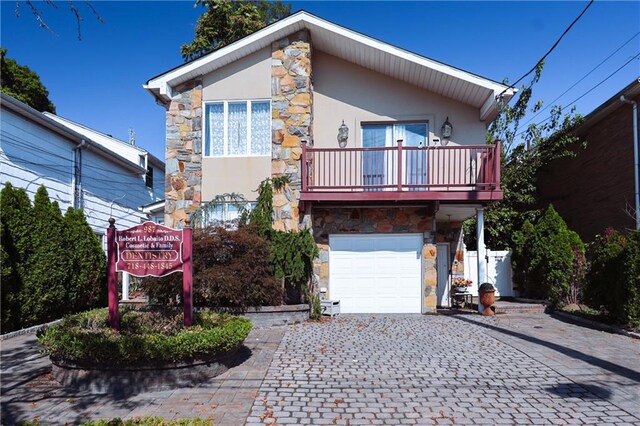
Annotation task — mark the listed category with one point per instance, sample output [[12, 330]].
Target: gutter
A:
[[635, 155]]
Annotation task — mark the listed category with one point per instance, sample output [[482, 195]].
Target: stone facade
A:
[[183, 173], [379, 220], [292, 119]]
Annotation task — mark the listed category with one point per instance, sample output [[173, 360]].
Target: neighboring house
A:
[[595, 189], [154, 211], [80, 167], [386, 209]]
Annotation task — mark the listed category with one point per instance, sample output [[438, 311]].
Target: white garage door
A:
[[376, 273]]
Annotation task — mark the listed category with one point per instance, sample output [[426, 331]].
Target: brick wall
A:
[[593, 190]]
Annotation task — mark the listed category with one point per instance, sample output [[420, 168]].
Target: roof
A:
[[354, 47], [155, 207], [108, 141], [631, 91], [41, 119]]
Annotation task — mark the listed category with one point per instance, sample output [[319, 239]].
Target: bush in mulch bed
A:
[[146, 338]]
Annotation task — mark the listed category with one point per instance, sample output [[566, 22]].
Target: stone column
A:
[[183, 168], [292, 118], [429, 271]]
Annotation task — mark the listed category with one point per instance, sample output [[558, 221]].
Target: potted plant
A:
[[487, 293], [461, 285]]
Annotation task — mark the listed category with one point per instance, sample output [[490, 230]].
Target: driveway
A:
[[374, 369], [392, 369]]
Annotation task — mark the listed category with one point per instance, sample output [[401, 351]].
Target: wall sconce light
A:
[[446, 131], [343, 135]]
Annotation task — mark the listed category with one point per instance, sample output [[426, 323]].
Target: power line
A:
[[588, 91], [550, 50], [579, 81]]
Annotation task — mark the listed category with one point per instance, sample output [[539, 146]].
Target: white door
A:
[[376, 273], [442, 265]]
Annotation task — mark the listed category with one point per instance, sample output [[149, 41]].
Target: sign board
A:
[[149, 249]]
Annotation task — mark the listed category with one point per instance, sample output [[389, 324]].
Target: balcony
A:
[[469, 173]]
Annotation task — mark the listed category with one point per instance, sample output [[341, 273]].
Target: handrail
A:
[[401, 168]]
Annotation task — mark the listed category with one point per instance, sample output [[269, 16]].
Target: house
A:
[[605, 194], [80, 167], [384, 151]]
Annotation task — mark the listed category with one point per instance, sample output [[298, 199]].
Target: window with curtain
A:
[[237, 128], [377, 166]]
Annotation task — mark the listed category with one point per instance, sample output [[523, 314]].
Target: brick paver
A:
[[29, 391], [374, 369], [403, 369]]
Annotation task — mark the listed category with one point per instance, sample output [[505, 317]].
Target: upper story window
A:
[[237, 128], [148, 178]]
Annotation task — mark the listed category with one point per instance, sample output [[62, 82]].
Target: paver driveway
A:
[[392, 369], [373, 369]]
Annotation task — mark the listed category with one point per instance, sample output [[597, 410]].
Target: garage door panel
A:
[[376, 273]]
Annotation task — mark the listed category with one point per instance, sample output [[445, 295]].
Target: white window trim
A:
[[225, 112]]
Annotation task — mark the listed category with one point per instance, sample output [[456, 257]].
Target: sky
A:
[[97, 81]]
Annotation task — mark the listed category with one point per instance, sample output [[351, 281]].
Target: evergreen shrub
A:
[[613, 281], [547, 256], [51, 265]]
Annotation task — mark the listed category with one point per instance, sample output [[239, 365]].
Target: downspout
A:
[[77, 174], [635, 155]]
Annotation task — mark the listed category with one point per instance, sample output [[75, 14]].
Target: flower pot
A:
[[487, 299]]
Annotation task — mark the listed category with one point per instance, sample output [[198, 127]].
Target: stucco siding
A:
[[345, 91], [247, 78], [241, 175]]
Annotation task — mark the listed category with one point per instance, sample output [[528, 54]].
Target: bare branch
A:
[[38, 16], [78, 17], [95, 12]]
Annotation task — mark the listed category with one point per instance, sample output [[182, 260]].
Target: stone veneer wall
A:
[[292, 118], [183, 169], [380, 220]]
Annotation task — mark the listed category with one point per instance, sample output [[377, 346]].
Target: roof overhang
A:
[[454, 83], [612, 104]]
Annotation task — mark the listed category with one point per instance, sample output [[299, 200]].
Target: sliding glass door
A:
[[380, 167]]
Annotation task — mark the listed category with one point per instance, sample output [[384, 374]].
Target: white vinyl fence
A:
[[498, 271]]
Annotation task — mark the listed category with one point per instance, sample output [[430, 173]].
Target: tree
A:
[[521, 164], [226, 21], [87, 285], [47, 270], [15, 224], [23, 84]]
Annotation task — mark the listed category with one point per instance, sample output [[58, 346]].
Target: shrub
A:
[[51, 265], [145, 338], [548, 258], [230, 269], [521, 260], [613, 282]]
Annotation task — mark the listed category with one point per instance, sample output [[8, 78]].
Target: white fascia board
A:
[[491, 105], [161, 86], [403, 54]]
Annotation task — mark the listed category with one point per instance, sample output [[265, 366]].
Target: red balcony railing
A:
[[469, 172]]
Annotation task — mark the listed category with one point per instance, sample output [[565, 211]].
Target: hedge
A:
[[52, 265], [145, 338]]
